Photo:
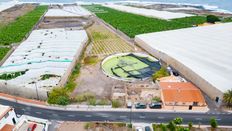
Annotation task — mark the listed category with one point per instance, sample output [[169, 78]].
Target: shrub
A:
[[163, 127], [171, 126], [103, 102], [91, 60], [121, 124], [160, 73], [116, 104], [212, 18], [178, 120], [156, 99], [58, 96], [85, 97], [92, 101], [213, 122], [129, 125], [190, 125]]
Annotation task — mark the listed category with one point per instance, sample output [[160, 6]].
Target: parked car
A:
[[140, 106], [129, 104], [147, 128], [155, 105], [32, 127], [139, 129]]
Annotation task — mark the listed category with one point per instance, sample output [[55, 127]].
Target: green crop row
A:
[[17, 30], [3, 52], [132, 24]]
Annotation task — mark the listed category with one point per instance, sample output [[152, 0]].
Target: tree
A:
[[178, 121], [212, 19], [213, 122], [190, 125], [171, 126], [160, 73], [227, 97]]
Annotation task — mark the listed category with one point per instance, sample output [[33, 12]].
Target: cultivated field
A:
[[13, 13], [3, 52], [132, 24], [105, 42], [17, 30]]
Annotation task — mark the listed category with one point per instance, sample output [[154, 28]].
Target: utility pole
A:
[[36, 88]]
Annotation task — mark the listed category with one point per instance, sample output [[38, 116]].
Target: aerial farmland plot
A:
[[133, 24], [104, 42]]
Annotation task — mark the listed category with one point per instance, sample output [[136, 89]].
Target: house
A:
[[181, 94], [8, 118]]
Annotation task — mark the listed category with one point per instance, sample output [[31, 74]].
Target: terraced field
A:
[[132, 24], [17, 30], [105, 42]]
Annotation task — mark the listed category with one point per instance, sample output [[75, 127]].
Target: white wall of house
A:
[[8, 118]]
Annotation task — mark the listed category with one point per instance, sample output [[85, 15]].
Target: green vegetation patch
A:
[[9, 76], [159, 74], [91, 60], [3, 52], [132, 24], [48, 76], [17, 30]]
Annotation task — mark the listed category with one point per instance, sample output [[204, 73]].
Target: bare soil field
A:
[[80, 23], [13, 13]]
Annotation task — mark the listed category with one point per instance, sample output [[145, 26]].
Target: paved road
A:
[[149, 117]]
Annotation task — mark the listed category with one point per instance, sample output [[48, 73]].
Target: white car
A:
[[139, 129]]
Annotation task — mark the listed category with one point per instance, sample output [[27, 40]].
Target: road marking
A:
[[142, 117], [88, 115], [122, 116], [198, 119], [38, 112], [105, 116], [71, 115], [160, 117]]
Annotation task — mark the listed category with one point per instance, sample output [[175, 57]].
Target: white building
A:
[[202, 54], [148, 12], [45, 60], [8, 118]]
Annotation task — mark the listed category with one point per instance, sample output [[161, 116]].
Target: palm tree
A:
[[227, 98]]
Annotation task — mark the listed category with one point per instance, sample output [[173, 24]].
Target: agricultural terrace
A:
[[17, 30], [105, 42], [132, 24], [3, 52]]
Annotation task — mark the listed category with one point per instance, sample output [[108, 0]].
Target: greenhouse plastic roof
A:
[[68, 11], [205, 50], [148, 12], [6, 5], [47, 51]]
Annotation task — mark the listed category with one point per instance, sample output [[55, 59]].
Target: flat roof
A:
[[181, 92], [148, 12], [4, 110], [68, 11], [206, 50], [46, 51]]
